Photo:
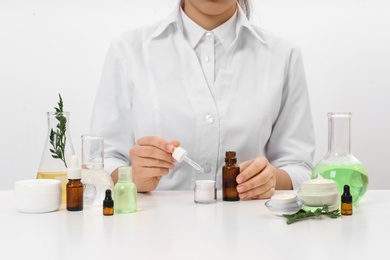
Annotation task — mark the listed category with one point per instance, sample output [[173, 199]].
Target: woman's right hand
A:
[[151, 158]]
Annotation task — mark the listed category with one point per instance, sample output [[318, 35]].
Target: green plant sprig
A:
[[302, 214], [58, 136]]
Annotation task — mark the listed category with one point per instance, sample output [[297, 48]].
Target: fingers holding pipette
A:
[[151, 158]]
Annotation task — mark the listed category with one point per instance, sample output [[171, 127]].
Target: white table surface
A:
[[169, 225]]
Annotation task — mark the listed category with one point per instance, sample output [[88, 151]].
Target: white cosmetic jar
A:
[[38, 195], [284, 203], [205, 192], [319, 192]]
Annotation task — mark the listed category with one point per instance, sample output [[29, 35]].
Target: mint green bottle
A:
[[125, 192]]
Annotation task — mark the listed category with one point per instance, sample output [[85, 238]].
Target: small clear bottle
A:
[[230, 171], [125, 192], [339, 164], [74, 188], [96, 180]]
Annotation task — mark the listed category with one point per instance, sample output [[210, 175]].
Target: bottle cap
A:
[[108, 202], [346, 197], [125, 173], [179, 154], [74, 172]]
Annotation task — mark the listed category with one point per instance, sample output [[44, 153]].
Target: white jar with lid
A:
[[320, 192], [205, 192]]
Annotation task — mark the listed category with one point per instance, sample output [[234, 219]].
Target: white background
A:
[[58, 46]]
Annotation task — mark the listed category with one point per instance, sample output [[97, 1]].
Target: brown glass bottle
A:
[[229, 174], [346, 202], [108, 204], [74, 195]]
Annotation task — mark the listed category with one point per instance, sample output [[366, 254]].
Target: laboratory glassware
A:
[[57, 143], [95, 178], [339, 164]]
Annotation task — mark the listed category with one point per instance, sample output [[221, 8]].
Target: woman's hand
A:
[[151, 159], [258, 179]]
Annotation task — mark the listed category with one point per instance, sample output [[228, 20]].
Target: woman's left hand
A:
[[257, 179]]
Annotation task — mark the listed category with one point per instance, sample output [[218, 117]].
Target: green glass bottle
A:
[[125, 192]]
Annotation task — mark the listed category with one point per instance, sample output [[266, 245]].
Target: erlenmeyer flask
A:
[[339, 164], [58, 150]]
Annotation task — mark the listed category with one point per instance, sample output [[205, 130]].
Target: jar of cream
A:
[[284, 203], [38, 195], [320, 192], [205, 192]]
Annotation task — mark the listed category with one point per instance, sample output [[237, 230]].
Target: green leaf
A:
[[58, 137]]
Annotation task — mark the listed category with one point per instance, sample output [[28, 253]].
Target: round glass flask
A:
[[58, 150], [95, 179], [339, 164]]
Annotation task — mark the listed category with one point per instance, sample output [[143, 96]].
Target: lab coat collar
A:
[[192, 31], [243, 22], [175, 18]]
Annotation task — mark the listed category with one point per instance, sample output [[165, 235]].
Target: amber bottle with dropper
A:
[[108, 204], [346, 202], [74, 188], [229, 174]]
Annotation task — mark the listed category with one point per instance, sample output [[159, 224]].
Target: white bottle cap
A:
[[74, 172], [125, 173], [179, 154]]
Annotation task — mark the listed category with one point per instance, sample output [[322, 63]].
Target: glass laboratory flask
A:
[[58, 150], [339, 164], [95, 179]]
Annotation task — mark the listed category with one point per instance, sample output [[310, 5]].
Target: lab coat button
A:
[[209, 119], [208, 34], [207, 58], [207, 168]]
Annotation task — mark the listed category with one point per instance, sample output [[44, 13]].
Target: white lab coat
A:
[[152, 84]]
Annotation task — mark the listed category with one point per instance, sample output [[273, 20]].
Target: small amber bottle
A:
[[229, 174], [108, 204], [346, 202], [74, 188]]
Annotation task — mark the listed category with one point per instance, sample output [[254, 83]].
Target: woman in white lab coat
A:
[[207, 80]]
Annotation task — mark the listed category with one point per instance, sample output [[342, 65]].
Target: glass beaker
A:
[[339, 164], [58, 150], [96, 180]]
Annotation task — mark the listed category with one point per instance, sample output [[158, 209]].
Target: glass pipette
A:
[[181, 155]]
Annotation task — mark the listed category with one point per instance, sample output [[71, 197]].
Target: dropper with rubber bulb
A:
[[181, 155]]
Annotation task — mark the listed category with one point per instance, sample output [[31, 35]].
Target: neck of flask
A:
[[339, 134]]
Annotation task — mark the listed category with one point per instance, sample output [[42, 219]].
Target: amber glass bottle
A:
[[74, 195], [74, 188], [229, 174], [346, 201]]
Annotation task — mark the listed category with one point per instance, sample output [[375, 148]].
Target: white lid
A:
[[284, 198], [319, 184], [205, 183], [179, 154], [125, 173], [74, 172], [37, 187]]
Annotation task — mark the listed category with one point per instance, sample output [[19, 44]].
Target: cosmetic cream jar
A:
[[38, 195], [319, 192], [284, 203], [205, 192]]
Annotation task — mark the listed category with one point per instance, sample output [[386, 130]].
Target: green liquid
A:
[[353, 175]]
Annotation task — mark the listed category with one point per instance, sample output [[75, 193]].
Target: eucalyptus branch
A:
[[58, 136], [302, 214]]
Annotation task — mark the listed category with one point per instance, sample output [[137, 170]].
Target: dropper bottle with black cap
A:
[[108, 204], [346, 201]]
